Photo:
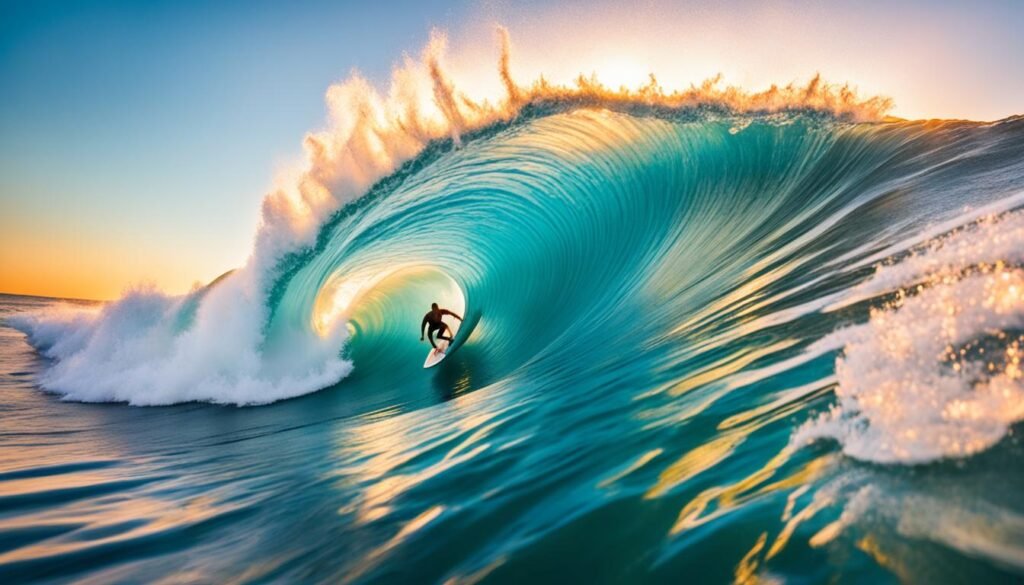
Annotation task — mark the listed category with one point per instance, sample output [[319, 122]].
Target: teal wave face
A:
[[577, 238]]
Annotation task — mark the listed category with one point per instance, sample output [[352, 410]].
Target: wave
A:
[[936, 371], [571, 222]]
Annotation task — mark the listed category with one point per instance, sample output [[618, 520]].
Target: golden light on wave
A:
[[338, 297], [331, 306], [362, 293]]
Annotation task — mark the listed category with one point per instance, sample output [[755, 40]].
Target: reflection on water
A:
[[476, 487]]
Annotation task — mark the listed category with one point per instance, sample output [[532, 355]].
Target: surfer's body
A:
[[434, 319]]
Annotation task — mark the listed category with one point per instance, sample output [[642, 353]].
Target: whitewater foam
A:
[[935, 372], [133, 351]]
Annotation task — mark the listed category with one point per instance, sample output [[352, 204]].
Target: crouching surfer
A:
[[433, 318]]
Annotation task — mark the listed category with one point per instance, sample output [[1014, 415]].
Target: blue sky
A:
[[160, 126], [147, 133]]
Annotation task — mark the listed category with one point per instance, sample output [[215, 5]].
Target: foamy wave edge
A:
[[935, 373]]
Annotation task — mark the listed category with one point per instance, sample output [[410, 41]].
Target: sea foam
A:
[[936, 371]]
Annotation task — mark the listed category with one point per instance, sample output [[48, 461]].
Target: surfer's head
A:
[[434, 306]]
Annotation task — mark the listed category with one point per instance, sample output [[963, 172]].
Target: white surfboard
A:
[[436, 355]]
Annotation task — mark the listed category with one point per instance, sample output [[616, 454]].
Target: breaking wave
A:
[[794, 222]]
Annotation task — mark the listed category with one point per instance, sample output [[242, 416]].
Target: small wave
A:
[[936, 371]]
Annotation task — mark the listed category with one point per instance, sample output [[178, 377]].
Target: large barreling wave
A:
[[671, 239]]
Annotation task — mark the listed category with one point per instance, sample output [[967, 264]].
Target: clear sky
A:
[[138, 138]]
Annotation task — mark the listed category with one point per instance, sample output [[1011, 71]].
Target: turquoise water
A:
[[698, 346]]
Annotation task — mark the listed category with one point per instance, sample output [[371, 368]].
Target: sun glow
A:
[[336, 302], [623, 72]]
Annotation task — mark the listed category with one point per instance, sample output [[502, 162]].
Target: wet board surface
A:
[[436, 355]]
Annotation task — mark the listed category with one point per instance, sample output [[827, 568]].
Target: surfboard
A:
[[436, 355]]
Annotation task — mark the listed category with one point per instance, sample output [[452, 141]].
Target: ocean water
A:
[[701, 344]]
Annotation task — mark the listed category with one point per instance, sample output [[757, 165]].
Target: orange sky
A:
[[99, 261]]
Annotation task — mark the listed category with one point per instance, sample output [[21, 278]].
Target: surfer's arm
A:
[[423, 328], [447, 312]]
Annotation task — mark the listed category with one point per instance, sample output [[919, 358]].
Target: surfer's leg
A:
[[445, 329]]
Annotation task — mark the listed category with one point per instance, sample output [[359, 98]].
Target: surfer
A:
[[433, 318]]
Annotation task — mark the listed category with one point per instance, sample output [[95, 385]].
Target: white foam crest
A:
[[134, 351], [935, 373]]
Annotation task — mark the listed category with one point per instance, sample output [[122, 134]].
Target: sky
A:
[[137, 139]]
